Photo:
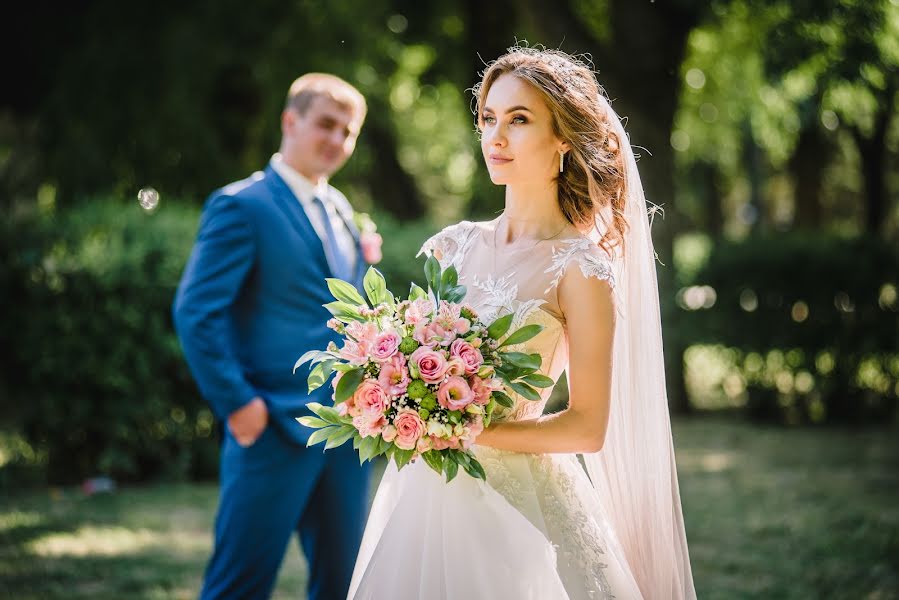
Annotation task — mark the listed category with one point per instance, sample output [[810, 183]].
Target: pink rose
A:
[[455, 366], [370, 398], [385, 346], [423, 444], [389, 433], [482, 388], [470, 356], [455, 394], [431, 365], [369, 425], [438, 443], [409, 428], [394, 376], [433, 334], [371, 247]]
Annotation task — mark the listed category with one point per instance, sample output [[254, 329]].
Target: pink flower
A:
[[385, 346], [450, 318], [455, 394], [433, 334], [470, 356], [442, 444], [482, 388], [423, 444], [409, 428], [363, 333], [473, 430], [371, 247], [431, 365], [389, 433], [354, 353], [370, 398], [394, 376], [369, 425], [455, 366], [418, 311]]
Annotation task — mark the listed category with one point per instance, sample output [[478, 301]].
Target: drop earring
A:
[[561, 161]]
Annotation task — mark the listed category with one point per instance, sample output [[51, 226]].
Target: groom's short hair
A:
[[313, 85]]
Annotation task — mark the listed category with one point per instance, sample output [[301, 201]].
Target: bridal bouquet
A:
[[418, 377]]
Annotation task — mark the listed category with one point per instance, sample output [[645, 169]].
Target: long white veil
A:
[[635, 472]]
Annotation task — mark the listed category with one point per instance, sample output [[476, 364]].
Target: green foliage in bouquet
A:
[[517, 372]]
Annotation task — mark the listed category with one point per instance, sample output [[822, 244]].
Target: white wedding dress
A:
[[536, 528]]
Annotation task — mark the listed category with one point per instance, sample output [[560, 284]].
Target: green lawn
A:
[[771, 513]]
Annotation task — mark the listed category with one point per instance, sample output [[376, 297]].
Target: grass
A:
[[770, 513]]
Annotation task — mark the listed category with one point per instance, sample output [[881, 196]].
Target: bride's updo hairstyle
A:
[[593, 183]]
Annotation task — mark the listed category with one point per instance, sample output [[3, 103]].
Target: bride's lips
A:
[[496, 159]]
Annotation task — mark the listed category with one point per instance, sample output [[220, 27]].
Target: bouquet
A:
[[419, 377]]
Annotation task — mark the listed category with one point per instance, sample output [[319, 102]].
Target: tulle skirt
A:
[[534, 531]]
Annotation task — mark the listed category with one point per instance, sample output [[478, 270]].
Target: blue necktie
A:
[[340, 264]]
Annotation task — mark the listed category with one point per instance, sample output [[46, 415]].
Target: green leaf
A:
[[376, 288], [384, 445], [499, 327], [434, 459], [537, 380], [348, 384], [432, 274], [367, 449], [449, 279], [313, 422], [455, 294], [313, 355], [522, 360], [327, 413], [503, 399], [451, 467], [402, 457], [319, 435], [474, 468], [524, 390], [346, 313], [522, 335], [416, 293], [320, 374], [340, 436], [345, 292]]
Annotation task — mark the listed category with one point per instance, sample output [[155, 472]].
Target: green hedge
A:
[[95, 382], [811, 324]]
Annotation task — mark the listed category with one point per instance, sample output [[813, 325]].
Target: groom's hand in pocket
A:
[[248, 422]]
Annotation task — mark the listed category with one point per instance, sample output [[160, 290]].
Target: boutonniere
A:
[[369, 238]]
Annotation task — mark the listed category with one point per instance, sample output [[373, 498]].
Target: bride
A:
[[572, 252]]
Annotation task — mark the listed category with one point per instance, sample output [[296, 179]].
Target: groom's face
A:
[[320, 140]]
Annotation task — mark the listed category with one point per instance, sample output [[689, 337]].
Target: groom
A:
[[249, 304]]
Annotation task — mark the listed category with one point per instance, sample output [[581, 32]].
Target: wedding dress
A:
[[541, 527], [535, 529]]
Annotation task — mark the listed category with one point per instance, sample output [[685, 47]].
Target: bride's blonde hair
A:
[[593, 184]]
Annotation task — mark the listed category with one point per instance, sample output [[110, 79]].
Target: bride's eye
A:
[[488, 119], [519, 119]]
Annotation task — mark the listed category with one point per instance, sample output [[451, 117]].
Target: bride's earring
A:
[[561, 161]]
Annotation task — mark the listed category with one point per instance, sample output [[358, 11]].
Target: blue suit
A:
[[248, 305]]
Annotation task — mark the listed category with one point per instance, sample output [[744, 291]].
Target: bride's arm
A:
[[588, 306]]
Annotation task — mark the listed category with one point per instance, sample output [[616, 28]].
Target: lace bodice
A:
[[523, 281]]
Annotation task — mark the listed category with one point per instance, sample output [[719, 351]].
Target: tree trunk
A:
[[397, 192], [810, 159], [873, 154]]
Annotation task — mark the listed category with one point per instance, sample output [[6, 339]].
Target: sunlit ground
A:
[[770, 512]]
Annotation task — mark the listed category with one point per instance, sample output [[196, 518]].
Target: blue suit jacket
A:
[[250, 301]]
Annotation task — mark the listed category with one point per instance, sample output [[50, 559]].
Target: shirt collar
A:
[[301, 187]]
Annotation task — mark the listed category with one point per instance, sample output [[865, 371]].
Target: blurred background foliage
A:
[[767, 132]]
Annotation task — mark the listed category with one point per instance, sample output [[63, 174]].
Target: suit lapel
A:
[[291, 207]]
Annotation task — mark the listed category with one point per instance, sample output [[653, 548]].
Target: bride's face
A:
[[517, 137]]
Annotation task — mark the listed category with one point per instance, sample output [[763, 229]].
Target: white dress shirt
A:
[[335, 205]]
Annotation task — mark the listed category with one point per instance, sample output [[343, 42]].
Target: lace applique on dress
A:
[[454, 242], [589, 257], [500, 297]]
